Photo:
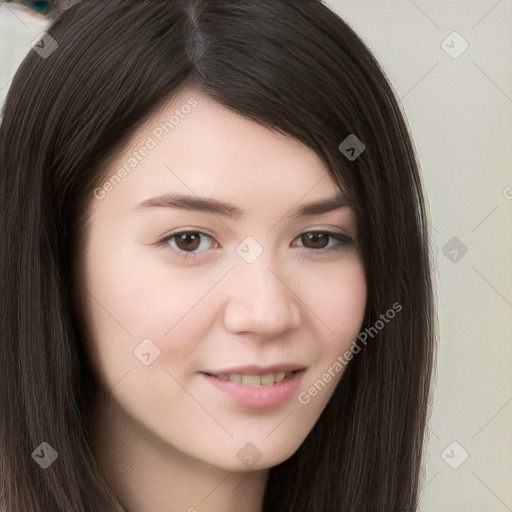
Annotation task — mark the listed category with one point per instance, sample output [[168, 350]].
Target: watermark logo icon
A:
[[351, 147], [454, 45], [249, 250], [454, 455], [147, 352], [45, 455], [44, 45], [454, 249], [249, 455]]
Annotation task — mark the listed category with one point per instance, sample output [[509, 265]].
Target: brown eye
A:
[[319, 240], [188, 241], [315, 239]]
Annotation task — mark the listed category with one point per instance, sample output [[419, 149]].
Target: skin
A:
[[164, 438]]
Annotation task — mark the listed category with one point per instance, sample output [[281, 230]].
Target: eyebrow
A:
[[209, 205]]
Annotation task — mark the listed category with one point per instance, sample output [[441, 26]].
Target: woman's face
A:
[[244, 294]]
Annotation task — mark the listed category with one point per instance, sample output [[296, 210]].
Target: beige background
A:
[[460, 114], [459, 109]]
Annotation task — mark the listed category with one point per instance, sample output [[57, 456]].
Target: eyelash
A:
[[342, 239]]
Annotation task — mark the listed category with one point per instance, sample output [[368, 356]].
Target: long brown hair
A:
[[293, 66]]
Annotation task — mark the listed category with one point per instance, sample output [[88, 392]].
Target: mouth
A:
[[257, 388], [255, 379]]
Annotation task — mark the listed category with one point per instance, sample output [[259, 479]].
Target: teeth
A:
[[256, 380], [278, 377], [251, 380], [267, 379]]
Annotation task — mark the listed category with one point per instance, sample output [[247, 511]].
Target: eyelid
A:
[[342, 239], [164, 242]]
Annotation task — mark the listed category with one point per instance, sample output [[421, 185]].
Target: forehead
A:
[[194, 145]]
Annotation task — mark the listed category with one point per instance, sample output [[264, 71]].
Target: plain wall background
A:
[[460, 115]]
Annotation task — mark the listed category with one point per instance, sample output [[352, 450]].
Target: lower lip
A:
[[259, 397]]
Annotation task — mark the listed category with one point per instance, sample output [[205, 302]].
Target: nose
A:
[[260, 300]]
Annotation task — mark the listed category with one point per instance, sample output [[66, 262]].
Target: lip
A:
[[258, 397], [258, 370]]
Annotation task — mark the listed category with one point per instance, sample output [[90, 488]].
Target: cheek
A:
[[135, 298], [340, 308], [340, 301]]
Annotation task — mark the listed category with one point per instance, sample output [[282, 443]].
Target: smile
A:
[[257, 391], [267, 379]]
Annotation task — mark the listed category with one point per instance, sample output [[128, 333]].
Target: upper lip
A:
[[258, 370]]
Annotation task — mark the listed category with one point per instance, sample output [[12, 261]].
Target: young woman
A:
[[216, 292]]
